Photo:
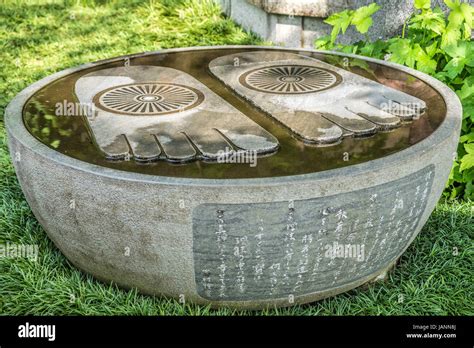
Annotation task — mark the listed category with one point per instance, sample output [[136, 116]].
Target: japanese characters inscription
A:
[[274, 250]]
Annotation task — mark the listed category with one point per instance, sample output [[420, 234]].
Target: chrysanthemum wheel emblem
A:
[[290, 79], [146, 99]]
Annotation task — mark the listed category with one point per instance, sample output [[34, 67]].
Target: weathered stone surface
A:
[[143, 109], [281, 249], [307, 8], [253, 18], [263, 18], [288, 30], [317, 101]]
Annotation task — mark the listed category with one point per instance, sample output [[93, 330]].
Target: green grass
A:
[[39, 39]]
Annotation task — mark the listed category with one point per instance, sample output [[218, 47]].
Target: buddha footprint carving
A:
[[317, 101], [151, 113]]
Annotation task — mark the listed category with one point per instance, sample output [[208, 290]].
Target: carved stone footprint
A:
[[150, 112], [317, 101]]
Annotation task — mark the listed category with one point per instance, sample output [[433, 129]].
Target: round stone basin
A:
[[238, 176]]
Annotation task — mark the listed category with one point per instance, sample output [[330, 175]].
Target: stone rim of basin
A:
[[166, 235], [16, 127]]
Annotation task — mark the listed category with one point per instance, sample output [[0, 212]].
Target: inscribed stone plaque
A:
[[272, 250]]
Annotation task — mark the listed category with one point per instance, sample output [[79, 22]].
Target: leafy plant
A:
[[434, 43]]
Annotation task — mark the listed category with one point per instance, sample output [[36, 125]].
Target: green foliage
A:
[[437, 44], [360, 18]]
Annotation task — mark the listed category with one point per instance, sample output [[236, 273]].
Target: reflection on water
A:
[[69, 134]]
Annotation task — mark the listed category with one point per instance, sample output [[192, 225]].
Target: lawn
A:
[[434, 277]]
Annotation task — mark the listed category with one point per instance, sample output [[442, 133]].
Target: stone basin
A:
[[239, 176]]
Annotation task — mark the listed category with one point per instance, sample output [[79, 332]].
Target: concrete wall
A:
[[297, 23]]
